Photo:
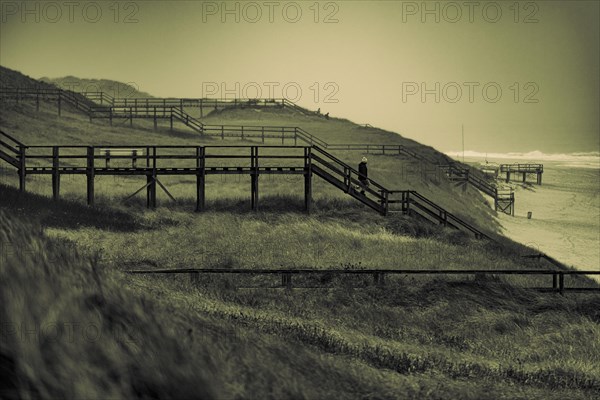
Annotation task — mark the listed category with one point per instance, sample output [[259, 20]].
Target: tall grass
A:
[[73, 328]]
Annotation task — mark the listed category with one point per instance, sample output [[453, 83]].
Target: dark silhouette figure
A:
[[327, 116], [363, 175]]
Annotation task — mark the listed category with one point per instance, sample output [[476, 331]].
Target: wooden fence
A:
[[379, 275]]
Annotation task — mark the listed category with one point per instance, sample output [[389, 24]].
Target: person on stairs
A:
[[363, 175]]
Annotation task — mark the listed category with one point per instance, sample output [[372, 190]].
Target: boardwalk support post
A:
[[22, 169], [151, 183], [254, 177], [151, 190], [90, 176], [200, 178], [55, 174], [307, 179]]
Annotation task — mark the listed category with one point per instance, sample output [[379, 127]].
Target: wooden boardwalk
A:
[[524, 170], [201, 161], [173, 110]]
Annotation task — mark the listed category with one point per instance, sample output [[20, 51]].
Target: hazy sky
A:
[[390, 64]]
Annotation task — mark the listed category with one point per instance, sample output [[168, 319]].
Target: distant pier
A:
[[522, 170]]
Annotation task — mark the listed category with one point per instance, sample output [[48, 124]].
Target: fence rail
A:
[[558, 277]]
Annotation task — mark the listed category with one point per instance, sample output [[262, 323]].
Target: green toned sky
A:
[[373, 58]]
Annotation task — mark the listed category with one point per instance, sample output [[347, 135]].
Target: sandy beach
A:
[[565, 221]]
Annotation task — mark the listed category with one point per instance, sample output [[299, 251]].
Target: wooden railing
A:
[[412, 201], [347, 179], [528, 168], [11, 149]]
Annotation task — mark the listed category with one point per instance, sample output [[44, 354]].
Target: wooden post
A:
[[286, 280], [22, 168], [254, 177], [155, 123], [55, 174], [379, 279], [200, 178], [386, 200], [554, 282], [151, 181], [561, 283], [307, 179], [507, 175], [263, 134], [512, 204], [110, 115], [90, 175], [37, 102], [201, 110], [151, 190], [59, 105], [130, 117], [524, 177]]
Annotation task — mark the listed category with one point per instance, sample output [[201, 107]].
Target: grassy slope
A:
[[420, 338]]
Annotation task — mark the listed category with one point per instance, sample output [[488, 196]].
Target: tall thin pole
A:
[[462, 126]]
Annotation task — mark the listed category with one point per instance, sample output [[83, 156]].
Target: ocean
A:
[[565, 209]]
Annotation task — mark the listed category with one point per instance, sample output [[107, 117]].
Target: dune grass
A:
[[76, 327]]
